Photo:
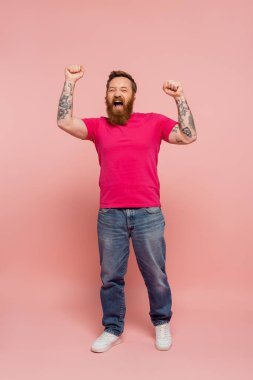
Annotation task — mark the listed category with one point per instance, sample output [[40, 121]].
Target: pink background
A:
[[50, 306]]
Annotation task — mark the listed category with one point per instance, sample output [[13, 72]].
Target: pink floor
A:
[[49, 338]]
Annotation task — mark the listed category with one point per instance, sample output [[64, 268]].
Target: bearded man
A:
[[128, 144]]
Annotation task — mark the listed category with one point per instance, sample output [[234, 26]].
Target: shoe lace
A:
[[105, 335], [163, 330]]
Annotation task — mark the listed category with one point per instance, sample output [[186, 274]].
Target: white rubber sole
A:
[[163, 348], [119, 340]]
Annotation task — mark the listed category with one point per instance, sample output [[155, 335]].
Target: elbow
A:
[[61, 125], [58, 122], [194, 137], [192, 140]]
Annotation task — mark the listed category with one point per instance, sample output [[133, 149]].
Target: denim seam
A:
[[153, 211], [122, 301]]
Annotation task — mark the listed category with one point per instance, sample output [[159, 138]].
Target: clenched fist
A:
[[74, 72], [173, 88]]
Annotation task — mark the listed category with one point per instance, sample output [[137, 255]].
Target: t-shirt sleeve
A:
[[91, 125], [167, 125]]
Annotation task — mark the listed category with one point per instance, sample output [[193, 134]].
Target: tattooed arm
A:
[[64, 114], [65, 119], [184, 132]]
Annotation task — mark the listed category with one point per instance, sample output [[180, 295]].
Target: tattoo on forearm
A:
[[185, 118], [187, 131], [191, 122], [66, 101], [183, 107]]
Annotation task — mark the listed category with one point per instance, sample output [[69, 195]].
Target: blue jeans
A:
[[145, 226]]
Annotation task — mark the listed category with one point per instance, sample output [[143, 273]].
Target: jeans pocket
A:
[[153, 210], [104, 210]]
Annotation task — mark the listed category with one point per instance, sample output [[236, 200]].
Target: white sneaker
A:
[[105, 341], [163, 336]]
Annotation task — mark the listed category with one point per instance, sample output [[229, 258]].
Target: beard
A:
[[119, 116]]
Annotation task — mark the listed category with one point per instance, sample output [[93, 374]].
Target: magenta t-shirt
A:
[[128, 157]]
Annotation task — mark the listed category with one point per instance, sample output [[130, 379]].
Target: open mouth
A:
[[118, 104]]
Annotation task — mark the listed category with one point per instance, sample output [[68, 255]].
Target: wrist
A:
[[179, 98], [70, 81]]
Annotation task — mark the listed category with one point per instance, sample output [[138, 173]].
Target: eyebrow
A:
[[120, 87]]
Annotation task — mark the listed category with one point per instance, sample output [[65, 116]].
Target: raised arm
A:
[[184, 132], [65, 120]]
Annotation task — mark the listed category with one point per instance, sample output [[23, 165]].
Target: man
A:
[[128, 144]]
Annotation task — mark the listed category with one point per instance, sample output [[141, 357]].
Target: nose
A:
[[117, 94]]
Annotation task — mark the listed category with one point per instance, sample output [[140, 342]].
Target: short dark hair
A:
[[120, 73]]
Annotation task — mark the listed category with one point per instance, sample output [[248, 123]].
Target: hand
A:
[[173, 88], [74, 72]]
